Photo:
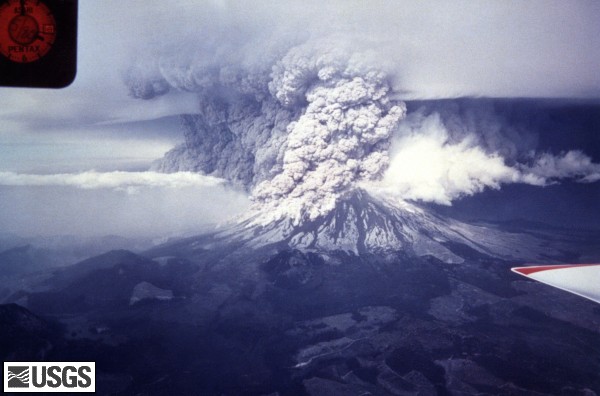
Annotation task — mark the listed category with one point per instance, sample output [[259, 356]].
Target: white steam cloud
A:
[[572, 165], [429, 165]]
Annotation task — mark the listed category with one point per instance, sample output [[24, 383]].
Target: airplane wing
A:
[[580, 279]]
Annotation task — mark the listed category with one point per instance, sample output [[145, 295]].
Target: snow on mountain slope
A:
[[361, 223]]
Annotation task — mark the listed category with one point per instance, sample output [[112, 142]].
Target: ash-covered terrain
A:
[[327, 308]]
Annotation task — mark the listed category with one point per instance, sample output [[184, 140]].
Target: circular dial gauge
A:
[[27, 30]]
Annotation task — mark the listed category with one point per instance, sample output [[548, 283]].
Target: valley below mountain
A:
[[370, 299]]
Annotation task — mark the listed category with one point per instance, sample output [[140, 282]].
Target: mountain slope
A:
[[361, 223]]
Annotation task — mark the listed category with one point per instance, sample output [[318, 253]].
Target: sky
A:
[[430, 50]]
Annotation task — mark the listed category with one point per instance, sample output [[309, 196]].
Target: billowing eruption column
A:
[[297, 132]]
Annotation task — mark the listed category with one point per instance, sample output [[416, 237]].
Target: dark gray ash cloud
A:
[[298, 117]]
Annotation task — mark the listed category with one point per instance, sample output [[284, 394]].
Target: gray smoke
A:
[[297, 111], [297, 133], [343, 134]]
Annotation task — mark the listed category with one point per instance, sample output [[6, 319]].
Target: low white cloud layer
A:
[[113, 180], [135, 204]]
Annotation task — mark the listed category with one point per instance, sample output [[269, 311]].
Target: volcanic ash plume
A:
[[341, 137], [298, 133]]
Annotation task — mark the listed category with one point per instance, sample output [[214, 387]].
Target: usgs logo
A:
[[49, 377]]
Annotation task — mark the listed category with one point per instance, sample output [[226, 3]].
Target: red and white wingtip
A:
[[580, 279]]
